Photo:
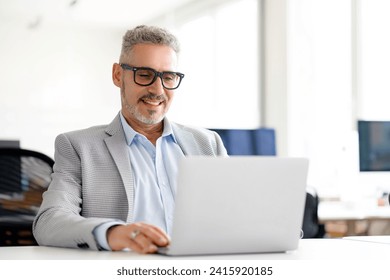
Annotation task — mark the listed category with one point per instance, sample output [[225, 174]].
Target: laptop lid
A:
[[241, 204]]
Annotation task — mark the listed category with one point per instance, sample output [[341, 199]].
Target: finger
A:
[[146, 237], [138, 243], [126, 236], [142, 244], [162, 232], [154, 233], [122, 236]]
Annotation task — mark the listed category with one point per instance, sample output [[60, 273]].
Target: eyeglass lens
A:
[[147, 76]]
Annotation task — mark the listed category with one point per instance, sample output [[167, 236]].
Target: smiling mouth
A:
[[152, 102]]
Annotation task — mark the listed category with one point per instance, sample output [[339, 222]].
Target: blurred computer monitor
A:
[[10, 169], [9, 144]]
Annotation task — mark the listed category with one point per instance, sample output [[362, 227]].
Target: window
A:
[[319, 90], [373, 59], [220, 57]]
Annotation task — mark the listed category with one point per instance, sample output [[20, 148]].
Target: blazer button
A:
[[83, 245]]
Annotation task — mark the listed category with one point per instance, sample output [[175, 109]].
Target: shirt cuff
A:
[[100, 233]]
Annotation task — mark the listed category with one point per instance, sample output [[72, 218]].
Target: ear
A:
[[117, 74]]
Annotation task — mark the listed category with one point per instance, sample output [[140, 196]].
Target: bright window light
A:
[[220, 57]]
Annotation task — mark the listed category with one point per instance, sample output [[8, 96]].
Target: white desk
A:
[[382, 239], [349, 212], [309, 249], [324, 258]]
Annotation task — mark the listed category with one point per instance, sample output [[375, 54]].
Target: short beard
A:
[[133, 110]]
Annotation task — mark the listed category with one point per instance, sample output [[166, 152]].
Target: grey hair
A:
[[143, 34]]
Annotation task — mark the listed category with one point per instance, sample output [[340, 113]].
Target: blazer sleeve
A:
[[59, 221]]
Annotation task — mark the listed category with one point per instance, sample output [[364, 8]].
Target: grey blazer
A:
[[92, 182]]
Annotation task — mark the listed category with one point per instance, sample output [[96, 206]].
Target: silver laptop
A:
[[241, 204]]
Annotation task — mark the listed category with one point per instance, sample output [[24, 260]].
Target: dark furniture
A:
[[24, 176], [311, 226]]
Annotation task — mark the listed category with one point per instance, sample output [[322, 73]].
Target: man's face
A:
[[145, 105]]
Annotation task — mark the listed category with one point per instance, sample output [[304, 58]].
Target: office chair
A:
[[261, 141], [24, 176], [310, 225]]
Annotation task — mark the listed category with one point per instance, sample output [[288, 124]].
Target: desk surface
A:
[[309, 249], [383, 239]]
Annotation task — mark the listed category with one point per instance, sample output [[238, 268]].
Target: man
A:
[[113, 186]]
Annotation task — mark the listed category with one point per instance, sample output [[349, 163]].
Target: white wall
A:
[[54, 79]]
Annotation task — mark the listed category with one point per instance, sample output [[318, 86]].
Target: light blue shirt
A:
[[154, 172]]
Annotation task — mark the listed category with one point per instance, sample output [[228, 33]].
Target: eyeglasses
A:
[[145, 76]]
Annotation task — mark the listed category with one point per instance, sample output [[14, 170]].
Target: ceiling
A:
[[109, 13]]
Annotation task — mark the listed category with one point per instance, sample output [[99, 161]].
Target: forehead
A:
[[159, 57]]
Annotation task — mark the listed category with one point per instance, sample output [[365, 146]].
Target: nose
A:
[[156, 87]]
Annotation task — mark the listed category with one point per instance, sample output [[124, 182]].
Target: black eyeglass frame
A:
[[156, 74]]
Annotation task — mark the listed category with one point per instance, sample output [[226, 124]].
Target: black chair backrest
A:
[[24, 176], [310, 226]]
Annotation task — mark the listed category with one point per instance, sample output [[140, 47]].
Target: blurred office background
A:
[[310, 69]]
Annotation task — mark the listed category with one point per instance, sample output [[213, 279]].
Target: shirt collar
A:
[[130, 133]]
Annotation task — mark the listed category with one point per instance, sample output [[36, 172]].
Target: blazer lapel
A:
[[186, 140], [116, 145]]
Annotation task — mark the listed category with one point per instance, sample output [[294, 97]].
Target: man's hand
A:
[[139, 237]]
